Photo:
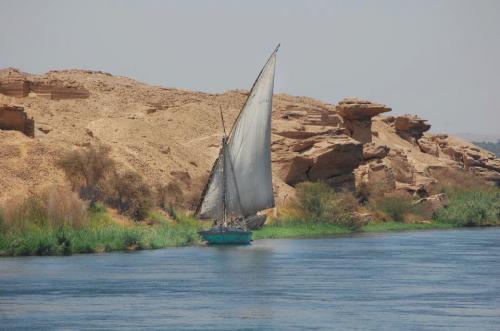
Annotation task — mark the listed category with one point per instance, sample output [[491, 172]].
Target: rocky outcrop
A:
[[357, 115], [414, 154], [14, 83], [55, 90], [311, 144], [411, 127], [464, 155], [325, 160], [17, 84], [376, 177], [14, 118], [373, 151]]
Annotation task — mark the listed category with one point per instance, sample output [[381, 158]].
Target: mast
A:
[[224, 179]]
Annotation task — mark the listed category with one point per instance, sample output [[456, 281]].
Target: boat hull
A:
[[226, 237]]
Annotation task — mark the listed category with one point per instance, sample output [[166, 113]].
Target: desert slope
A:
[[168, 134]]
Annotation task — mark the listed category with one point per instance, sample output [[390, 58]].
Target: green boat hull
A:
[[226, 237]]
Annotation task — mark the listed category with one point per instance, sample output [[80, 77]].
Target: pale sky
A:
[[437, 59]]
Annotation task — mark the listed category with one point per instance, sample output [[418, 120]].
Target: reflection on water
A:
[[412, 281]]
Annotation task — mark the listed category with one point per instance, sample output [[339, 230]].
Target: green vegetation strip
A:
[[300, 230], [319, 213], [99, 234], [321, 230], [32, 228], [397, 226]]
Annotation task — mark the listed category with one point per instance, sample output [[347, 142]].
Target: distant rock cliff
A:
[[168, 134], [18, 84]]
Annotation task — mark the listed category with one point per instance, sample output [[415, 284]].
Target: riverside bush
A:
[[315, 200], [471, 208], [318, 202]]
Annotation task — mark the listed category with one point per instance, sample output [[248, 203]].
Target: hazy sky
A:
[[437, 59]]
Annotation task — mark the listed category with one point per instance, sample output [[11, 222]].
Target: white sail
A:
[[246, 175], [212, 204], [249, 180]]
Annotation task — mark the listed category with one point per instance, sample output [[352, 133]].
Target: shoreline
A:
[[317, 231], [290, 231]]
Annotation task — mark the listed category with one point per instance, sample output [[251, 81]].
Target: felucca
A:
[[240, 183]]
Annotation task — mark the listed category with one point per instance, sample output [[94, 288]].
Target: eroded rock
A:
[[374, 151], [411, 127], [14, 118], [357, 115], [320, 159]]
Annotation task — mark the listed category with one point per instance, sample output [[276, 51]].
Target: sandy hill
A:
[[168, 134]]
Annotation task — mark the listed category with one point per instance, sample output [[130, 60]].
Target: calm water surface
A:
[[434, 280]]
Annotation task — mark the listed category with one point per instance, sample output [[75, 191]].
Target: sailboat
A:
[[240, 183]]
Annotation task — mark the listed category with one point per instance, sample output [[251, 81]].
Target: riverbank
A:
[[321, 230], [37, 227], [319, 211], [101, 233]]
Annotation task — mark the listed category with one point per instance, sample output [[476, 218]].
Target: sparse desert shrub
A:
[[97, 207], [55, 207], [87, 170], [93, 173], [348, 201], [170, 197], [131, 195], [453, 179], [22, 212], [65, 207], [365, 191], [471, 208], [395, 207], [192, 198]]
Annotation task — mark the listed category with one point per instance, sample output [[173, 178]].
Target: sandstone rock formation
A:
[[465, 155], [14, 118], [411, 127], [310, 143], [357, 115], [168, 135]]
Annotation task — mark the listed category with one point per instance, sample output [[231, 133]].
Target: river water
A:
[[429, 280]]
